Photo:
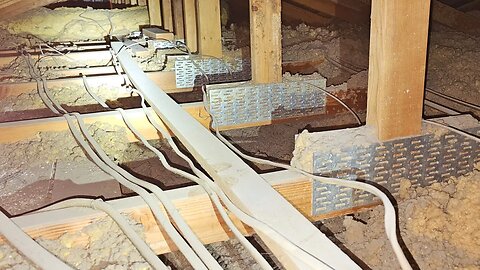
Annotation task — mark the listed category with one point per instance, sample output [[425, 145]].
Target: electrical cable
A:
[[45, 259], [50, 97], [98, 99], [44, 98], [40, 84], [213, 264], [131, 181], [116, 66], [470, 105], [247, 219], [98, 204], [149, 200], [306, 257], [390, 216], [200, 179], [440, 107], [28, 247], [357, 118]]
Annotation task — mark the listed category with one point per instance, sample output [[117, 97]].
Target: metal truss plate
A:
[[422, 159], [240, 103], [189, 71]]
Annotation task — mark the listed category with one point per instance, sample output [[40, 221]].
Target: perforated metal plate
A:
[[240, 103], [422, 159], [188, 71]]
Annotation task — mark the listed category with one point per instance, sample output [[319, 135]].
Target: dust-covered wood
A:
[[238, 180], [292, 13], [209, 28], [154, 12], [192, 203], [167, 15], [265, 39], [346, 10], [178, 24], [190, 24], [164, 80]]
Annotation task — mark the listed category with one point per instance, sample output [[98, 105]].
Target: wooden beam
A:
[[398, 47], [164, 80], [238, 180], [81, 58], [11, 9], [455, 19], [167, 15], [154, 12], [335, 8], [209, 28], [21, 130], [190, 24], [178, 24], [470, 5], [294, 14], [192, 203], [265, 41]]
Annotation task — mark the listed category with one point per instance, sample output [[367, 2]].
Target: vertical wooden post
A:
[[178, 28], [167, 15], [398, 46], [190, 24], [209, 28], [154, 12], [265, 41]]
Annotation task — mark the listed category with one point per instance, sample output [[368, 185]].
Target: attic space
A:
[[223, 134]]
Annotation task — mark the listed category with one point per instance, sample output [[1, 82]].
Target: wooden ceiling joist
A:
[[455, 19], [340, 9], [192, 203], [12, 8], [243, 186]]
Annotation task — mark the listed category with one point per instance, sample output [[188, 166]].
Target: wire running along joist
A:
[[235, 177]]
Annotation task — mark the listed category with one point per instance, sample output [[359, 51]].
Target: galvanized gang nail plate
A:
[[423, 160], [240, 103]]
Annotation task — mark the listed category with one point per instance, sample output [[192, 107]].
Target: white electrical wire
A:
[[357, 118], [202, 181], [116, 66], [98, 99], [149, 200], [178, 240], [28, 247], [50, 97], [390, 214], [247, 219], [98, 204], [44, 98], [197, 246], [40, 84], [306, 257]]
